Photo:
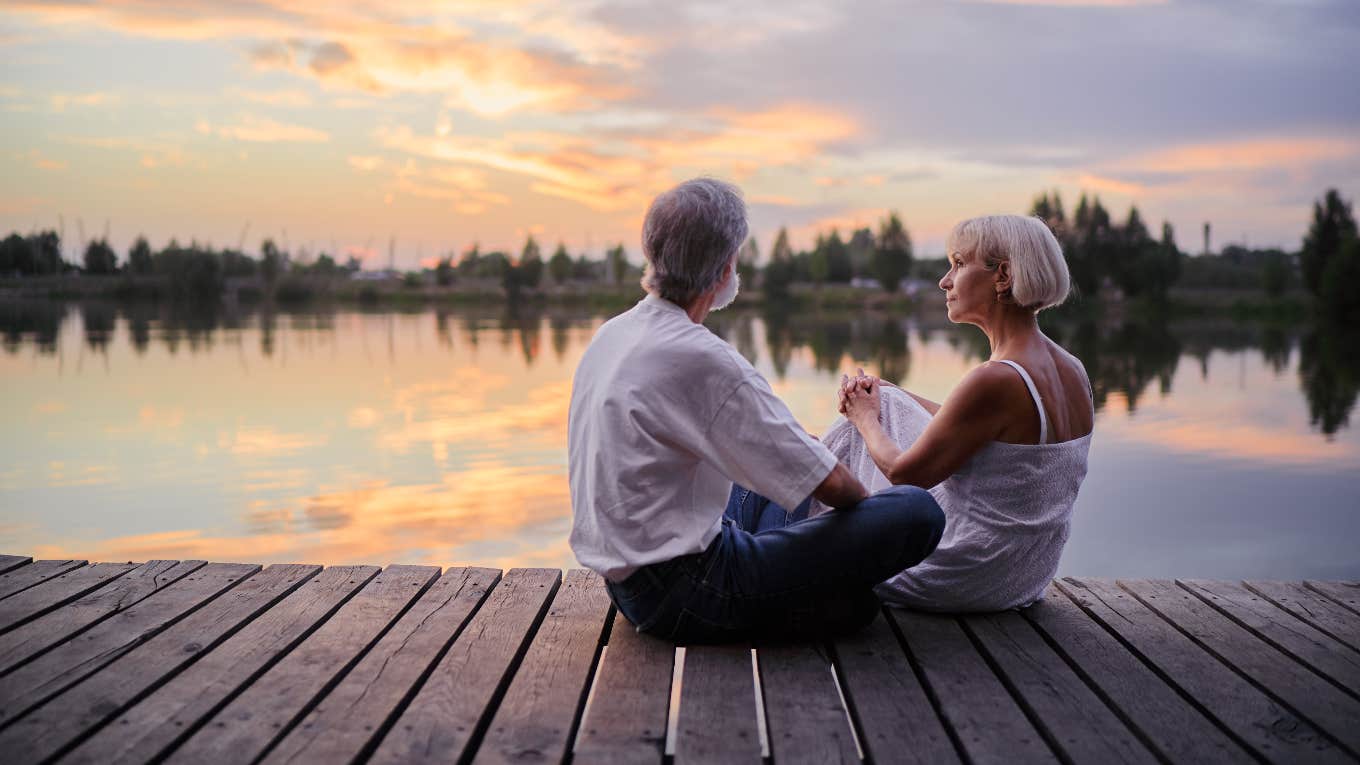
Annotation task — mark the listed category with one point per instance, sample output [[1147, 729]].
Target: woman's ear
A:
[[1003, 278]]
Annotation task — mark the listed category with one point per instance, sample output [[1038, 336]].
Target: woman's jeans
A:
[[774, 575]]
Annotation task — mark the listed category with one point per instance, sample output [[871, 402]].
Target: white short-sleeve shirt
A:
[[664, 417]]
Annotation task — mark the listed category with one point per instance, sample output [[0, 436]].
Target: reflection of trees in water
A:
[[521, 322], [1123, 358], [97, 319], [875, 340], [1329, 374], [559, 326], [38, 321]]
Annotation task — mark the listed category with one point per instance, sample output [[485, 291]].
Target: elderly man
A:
[[667, 421]]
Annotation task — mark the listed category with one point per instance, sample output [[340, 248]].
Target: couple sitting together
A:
[[958, 506]]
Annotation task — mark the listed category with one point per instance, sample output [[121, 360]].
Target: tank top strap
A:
[[1034, 393]]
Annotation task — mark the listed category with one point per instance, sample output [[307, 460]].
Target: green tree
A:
[[838, 266], [530, 264], [892, 255], [618, 263], [779, 271], [443, 271], [100, 259], [15, 255], [746, 262], [1275, 274], [272, 260], [139, 257], [1333, 224], [559, 265], [470, 265], [818, 265], [1338, 294], [861, 249]]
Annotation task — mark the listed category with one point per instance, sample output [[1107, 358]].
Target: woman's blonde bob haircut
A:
[[1039, 277]]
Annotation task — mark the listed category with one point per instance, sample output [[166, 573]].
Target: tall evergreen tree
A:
[[100, 258], [1333, 225], [779, 271], [559, 265], [530, 264], [139, 257], [892, 254]]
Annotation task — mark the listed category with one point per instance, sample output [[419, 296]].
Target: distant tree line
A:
[[1102, 254]]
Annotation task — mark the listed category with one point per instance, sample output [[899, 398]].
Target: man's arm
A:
[[840, 489]]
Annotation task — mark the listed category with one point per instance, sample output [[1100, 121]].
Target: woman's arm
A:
[[969, 419]]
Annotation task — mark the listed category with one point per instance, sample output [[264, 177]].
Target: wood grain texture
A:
[[537, 718], [25, 642], [57, 591], [1077, 722], [76, 659], [896, 720], [1254, 718], [10, 562], [1327, 707], [805, 719], [626, 722], [1281, 629], [361, 707], [1325, 614], [176, 709], [987, 721], [1346, 594], [448, 715], [61, 722], [717, 721], [1175, 728], [23, 577]]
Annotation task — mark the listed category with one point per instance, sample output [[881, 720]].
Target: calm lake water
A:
[[1222, 449]]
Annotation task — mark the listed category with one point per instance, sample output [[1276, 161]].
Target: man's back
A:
[[664, 417]]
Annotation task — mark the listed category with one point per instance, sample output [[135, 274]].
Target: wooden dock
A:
[[195, 662]]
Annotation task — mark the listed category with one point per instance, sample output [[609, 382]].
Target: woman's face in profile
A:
[[969, 288]]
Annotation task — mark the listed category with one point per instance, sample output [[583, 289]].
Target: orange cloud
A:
[[264, 130], [1250, 154]]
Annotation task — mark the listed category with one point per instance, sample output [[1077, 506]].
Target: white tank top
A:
[[1007, 511]]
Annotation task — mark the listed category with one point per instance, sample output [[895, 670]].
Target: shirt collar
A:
[[662, 304]]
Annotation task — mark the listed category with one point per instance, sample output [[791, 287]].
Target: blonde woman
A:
[[1005, 454]]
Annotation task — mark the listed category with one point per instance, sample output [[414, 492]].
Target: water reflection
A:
[[438, 435]]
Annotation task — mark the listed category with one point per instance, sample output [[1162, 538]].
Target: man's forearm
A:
[[840, 489]]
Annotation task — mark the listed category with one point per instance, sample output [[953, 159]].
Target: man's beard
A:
[[727, 293]]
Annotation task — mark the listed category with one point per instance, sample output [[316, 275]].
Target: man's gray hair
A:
[[689, 236]]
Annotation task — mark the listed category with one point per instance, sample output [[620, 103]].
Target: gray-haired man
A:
[[668, 422]]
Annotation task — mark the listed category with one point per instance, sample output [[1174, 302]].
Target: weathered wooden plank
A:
[[1255, 719], [1345, 593], [62, 721], [1327, 707], [897, 722], [804, 717], [359, 709], [1282, 630], [448, 715], [1074, 718], [57, 591], [176, 709], [717, 721], [536, 720], [987, 722], [70, 662], [10, 562], [626, 722], [1171, 725], [1325, 614], [39, 571], [25, 642]]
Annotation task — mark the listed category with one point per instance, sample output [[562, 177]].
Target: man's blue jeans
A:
[[776, 575]]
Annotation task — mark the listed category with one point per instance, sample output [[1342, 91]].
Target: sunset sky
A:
[[443, 123]]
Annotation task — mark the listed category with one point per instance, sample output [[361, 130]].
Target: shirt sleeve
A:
[[755, 441]]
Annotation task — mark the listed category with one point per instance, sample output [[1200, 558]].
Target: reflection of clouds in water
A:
[[514, 514], [60, 474], [265, 442], [454, 412]]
